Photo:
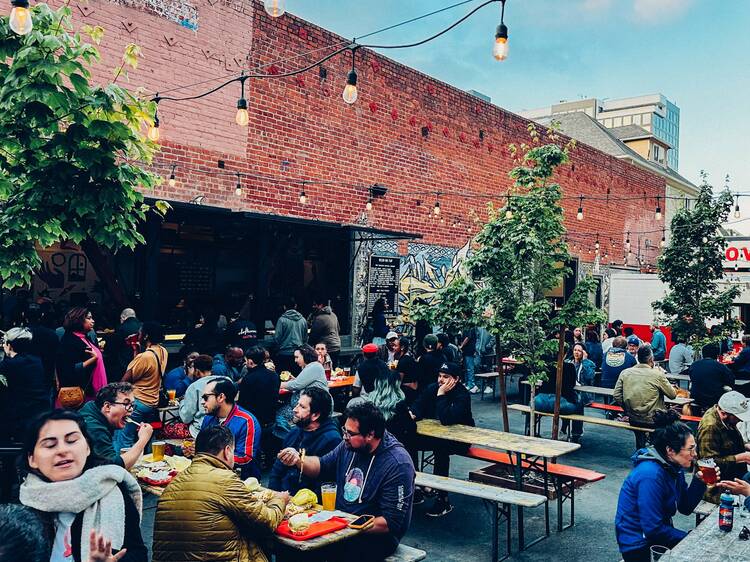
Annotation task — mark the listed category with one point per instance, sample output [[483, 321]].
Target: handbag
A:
[[70, 397], [163, 396]]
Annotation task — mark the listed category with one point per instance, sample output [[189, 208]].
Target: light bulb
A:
[[172, 181], [242, 118], [20, 17], [736, 211], [704, 240], [302, 197], [508, 214], [153, 132], [658, 213], [350, 90], [238, 190], [369, 204], [436, 208], [275, 8], [579, 214], [663, 242], [500, 49]]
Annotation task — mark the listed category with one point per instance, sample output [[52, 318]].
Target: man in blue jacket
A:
[[315, 432], [616, 360], [658, 343]]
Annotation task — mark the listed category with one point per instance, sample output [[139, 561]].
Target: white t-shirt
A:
[[62, 548]]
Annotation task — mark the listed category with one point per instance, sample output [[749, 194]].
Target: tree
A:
[[691, 267], [70, 151]]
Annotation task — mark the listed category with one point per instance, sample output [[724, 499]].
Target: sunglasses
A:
[[205, 396]]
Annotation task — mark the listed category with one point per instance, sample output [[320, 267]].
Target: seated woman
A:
[[655, 490], [75, 494], [570, 403]]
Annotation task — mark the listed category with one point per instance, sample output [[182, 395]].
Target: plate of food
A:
[[159, 473], [285, 376]]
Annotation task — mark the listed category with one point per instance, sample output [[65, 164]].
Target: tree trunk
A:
[[503, 391], [532, 416], [558, 381]]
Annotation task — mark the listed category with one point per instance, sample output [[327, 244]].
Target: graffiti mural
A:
[[180, 12], [65, 271]]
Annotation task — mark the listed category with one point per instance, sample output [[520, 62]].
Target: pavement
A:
[[465, 533]]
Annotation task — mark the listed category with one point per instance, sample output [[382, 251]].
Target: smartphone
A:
[[362, 522]]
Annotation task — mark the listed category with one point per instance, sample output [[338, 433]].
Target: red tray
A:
[[315, 530]]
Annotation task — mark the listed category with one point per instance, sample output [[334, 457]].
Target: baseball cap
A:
[[633, 340], [369, 348], [391, 335], [451, 369], [736, 404]]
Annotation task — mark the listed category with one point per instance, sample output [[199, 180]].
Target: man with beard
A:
[[374, 475], [218, 402], [109, 412], [315, 432]]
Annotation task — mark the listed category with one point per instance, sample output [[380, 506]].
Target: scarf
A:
[[95, 493], [99, 375]]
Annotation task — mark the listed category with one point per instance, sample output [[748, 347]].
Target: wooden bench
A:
[[500, 500], [703, 510], [565, 478], [577, 417], [484, 379], [406, 554], [618, 409]]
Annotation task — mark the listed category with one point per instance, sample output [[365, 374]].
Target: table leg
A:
[[519, 481], [546, 504], [495, 534]]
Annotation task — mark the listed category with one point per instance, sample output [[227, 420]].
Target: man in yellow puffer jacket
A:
[[206, 513]]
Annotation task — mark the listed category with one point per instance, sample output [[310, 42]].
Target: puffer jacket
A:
[[325, 328], [206, 514]]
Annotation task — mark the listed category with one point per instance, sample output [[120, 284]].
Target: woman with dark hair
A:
[[379, 324], [311, 375], [79, 360], [594, 348], [75, 493], [656, 489], [406, 367]]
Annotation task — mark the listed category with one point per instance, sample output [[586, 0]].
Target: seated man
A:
[[108, 412], [570, 402], [259, 388], [640, 390], [371, 368], [180, 378], [229, 364], [218, 402], [615, 361], [709, 379], [315, 432], [206, 513], [449, 401], [191, 408], [719, 439], [374, 476], [680, 356]]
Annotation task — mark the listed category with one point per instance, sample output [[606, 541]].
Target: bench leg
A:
[[495, 534], [481, 390], [519, 481]]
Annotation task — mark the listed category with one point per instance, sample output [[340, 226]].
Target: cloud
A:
[[656, 11]]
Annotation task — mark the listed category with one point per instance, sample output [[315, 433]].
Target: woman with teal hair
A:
[[390, 399]]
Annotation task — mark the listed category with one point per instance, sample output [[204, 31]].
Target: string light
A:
[[500, 48], [172, 178], [275, 8], [242, 118], [238, 188], [663, 241], [658, 208], [627, 242], [508, 211], [302, 197], [436, 208], [579, 214], [20, 17], [153, 130], [736, 266], [596, 245], [350, 90], [704, 240], [737, 207], [369, 201]]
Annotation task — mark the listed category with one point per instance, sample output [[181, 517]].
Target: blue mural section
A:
[[178, 11]]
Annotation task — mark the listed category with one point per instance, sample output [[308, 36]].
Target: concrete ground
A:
[[465, 533]]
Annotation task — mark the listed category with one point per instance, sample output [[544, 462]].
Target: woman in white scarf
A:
[[91, 509]]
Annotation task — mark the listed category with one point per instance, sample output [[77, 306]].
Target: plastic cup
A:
[[660, 553], [708, 469], [328, 374], [157, 450], [172, 394], [328, 496], [347, 371]]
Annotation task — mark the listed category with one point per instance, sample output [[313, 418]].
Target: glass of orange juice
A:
[[172, 394], [328, 496]]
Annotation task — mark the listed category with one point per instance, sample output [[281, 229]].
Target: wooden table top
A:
[[323, 540], [611, 391], [340, 383], [510, 442], [478, 490], [708, 544]]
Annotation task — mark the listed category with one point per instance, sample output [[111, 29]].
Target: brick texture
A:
[[300, 129]]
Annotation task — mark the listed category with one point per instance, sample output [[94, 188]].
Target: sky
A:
[[695, 52]]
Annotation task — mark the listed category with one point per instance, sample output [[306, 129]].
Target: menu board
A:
[[383, 282], [194, 278]]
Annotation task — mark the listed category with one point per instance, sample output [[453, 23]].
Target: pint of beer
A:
[[708, 469], [328, 496], [157, 450]]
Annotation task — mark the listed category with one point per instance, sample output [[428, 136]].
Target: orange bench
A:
[[566, 478], [618, 409]]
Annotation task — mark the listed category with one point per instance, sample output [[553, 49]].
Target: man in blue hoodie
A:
[[374, 475], [616, 360], [290, 333], [315, 432]]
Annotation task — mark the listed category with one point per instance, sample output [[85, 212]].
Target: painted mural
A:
[[178, 11]]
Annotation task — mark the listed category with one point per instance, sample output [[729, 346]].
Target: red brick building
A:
[[415, 135]]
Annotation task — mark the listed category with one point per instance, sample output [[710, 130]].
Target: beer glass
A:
[[328, 496], [157, 450]]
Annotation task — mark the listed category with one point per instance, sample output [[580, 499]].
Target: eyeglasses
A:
[[205, 396], [346, 433], [129, 406]]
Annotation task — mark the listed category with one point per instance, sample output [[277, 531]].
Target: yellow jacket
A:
[[207, 514]]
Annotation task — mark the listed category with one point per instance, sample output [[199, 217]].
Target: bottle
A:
[[726, 512]]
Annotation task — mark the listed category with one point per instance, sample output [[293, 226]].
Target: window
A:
[[637, 119], [608, 122], [627, 120], [646, 118], [617, 121]]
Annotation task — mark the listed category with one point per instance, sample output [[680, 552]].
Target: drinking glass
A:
[[157, 450], [328, 496], [660, 553]]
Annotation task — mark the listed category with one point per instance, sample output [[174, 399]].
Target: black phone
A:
[[362, 521]]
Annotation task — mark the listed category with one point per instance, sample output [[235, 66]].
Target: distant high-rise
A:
[[654, 113]]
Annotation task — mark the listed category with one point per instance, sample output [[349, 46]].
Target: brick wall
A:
[[302, 129]]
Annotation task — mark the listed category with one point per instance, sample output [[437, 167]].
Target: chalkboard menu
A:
[[194, 278], [383, 282]]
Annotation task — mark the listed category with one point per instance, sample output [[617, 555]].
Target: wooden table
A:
[[317, 542], [344, 383], [708, 544], [169, 413], [533, 450], [609, 392]]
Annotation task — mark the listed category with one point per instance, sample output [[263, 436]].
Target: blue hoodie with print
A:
[[650, 496]]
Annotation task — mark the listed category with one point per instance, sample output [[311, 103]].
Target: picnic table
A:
[[531, 453], [344, 383], [609, 392], [708, 544], [169, 413], [300, 549]]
